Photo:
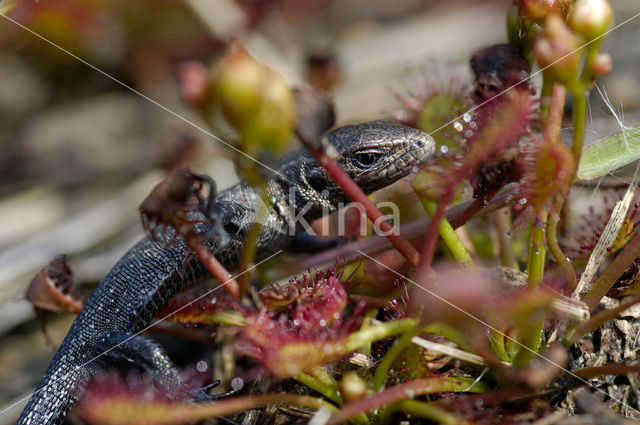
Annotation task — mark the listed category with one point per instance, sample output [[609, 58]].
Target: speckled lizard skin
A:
[[374, 154]]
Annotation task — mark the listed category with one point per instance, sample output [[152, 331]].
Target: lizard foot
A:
[[203, 395]]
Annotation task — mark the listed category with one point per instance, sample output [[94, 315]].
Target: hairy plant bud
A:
[[591, 18], [558, 51], [352, 386], [538, 9], [254, 99], [273, 124], [602, 64], [238, 84], [548, 173], [193, 78]]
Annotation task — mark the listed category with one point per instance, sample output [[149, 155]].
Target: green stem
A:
[[227, 318], [537, 251], [588, 77], [449, 237], [551, 132], [545, 100], [496, 339], [556, 251], [449, 332], [579, 122], [421, 410], [321, 374], [384, 330], [369, 319], [380, 377], [531, 342], [329, 391], [249, 251], [502, 223]]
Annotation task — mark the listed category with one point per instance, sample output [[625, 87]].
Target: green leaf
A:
[[610, 153]]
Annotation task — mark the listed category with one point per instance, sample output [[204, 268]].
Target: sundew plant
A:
[[491, 298]]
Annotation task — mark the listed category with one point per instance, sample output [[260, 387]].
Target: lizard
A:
[[374, 154]]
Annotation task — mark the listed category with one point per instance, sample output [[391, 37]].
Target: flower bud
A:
[[352, 386], [272, 125], [238, 84], [538, 9], [193, 78], [254, 99], [602, 64], [558, 51], [549, 175], [591, 18]]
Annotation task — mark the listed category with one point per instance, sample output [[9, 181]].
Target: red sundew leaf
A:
[[195, 86], [302, 324], [500, 126], [109, 400], [403, 392], [582, 236], [285, 349], [312, 301], [548, 170], [491, 134], [52, 289], [327, 304], [200, 306], [484, 409], [454, 296], [127, 411], [437, 94]]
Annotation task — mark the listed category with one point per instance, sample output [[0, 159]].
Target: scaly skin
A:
[[374, 154]]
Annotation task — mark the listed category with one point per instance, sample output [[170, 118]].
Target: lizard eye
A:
[[365, 159]]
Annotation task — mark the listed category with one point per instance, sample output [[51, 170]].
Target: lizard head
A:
[[378, 153], [374, 154]]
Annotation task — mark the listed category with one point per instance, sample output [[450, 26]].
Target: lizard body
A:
[[374, 154]]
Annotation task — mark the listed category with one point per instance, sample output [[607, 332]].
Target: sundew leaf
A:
[[127, 411], [610, 153], [111, 400], [200, 306], [409, 390]]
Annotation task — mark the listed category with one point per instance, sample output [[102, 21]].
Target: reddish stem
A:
[[353, 191], [612, 273], [599, 319], [193, 241], [457, 220], [461, 217], [389, 396], [608, 369], [431, 239], [457, 216], [556, 113], [199, 335]]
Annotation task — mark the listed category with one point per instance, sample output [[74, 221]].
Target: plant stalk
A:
[[449, 237], [537, 251]]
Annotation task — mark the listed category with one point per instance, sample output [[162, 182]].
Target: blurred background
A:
[[86, 133]]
